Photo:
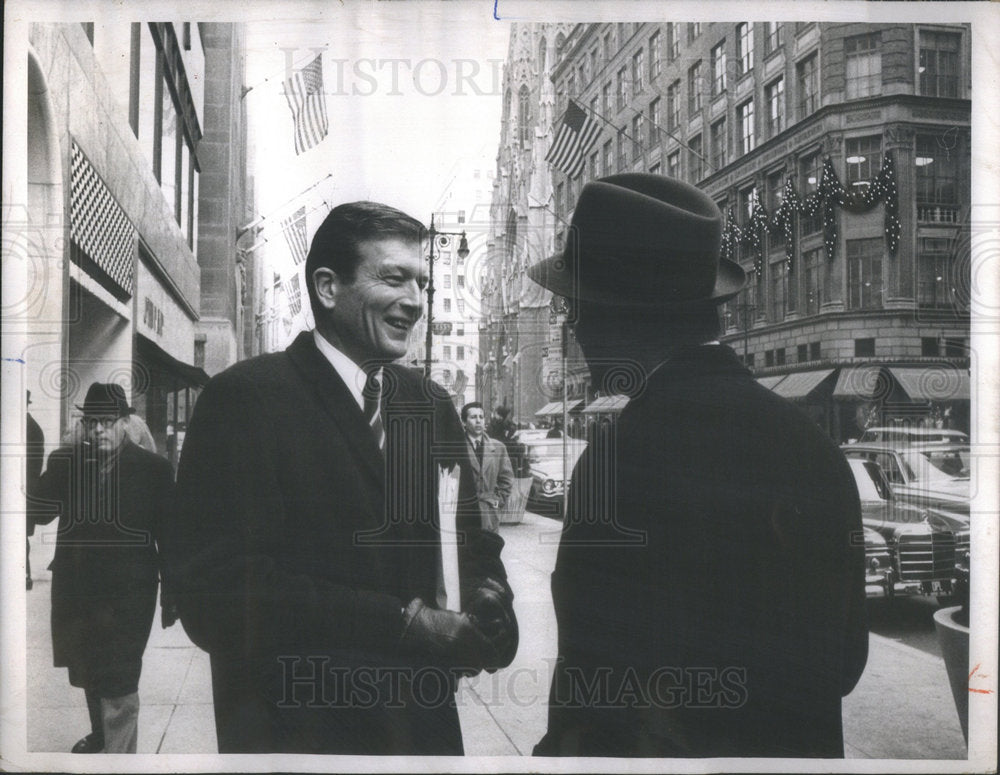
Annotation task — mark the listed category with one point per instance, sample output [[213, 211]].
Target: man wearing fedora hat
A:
[[709, 585], [307, 553], [111, 498]]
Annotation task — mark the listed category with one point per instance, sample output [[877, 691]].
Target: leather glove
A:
[[489, 604], [451, 638]]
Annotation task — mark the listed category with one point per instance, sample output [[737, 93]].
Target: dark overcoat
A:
[[296, 545], [106, 566], [709, 585]]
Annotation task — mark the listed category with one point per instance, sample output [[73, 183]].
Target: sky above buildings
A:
[[413, 100]]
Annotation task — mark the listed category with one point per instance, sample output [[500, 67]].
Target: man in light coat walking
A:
[[491, 465]]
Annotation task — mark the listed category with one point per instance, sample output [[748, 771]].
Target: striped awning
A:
[[933, 383], [770, 382], [606, 405], [861, 382], [801, 384], [548, 409]]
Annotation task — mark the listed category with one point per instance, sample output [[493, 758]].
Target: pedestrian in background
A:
[[307, 534], [490, 465], [709, 585], [502, 428], [111, 499]]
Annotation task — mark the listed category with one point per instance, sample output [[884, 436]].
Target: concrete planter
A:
[[954, 640]]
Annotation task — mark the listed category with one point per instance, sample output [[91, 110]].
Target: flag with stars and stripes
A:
[[304, 92], [577, 135], [294, 228]]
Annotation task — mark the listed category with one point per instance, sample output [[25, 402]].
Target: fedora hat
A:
[[645, 241], [106, 399]]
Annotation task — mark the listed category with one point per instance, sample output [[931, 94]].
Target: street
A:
[[902, 707]]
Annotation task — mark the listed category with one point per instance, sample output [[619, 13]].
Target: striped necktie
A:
[[372, 393]]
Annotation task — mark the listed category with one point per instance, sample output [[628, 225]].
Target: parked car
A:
[[550, 470], [927, 474], [913, 435], [908, 549]]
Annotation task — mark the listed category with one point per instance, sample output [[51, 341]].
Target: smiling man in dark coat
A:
[[307, 554], [111, 498], [709, 585]]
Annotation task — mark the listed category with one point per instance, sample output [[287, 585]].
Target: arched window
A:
[[541, 55], [523, 116]]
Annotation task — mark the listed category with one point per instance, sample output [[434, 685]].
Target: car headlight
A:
[[549, 486]]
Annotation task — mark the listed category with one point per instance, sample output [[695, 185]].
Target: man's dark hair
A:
[[335, 244], [471, 405]]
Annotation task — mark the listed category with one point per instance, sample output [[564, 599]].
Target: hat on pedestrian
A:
[[646, 241], [105, 399]]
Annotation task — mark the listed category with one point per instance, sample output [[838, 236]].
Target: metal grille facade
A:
[[98, 225]]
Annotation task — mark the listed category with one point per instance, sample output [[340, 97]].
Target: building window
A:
[[863, 66], [772, 37], [748, 360], [693, 30], [718, 140], [461, 307], [637, 71], [774, 93], [460, 352], [802, 353], [673, 105], [939, 68], [812, 263], [673, 43], [744, 43], [769, 357], [747, 197], [864, 348], [814, 351], [654, 55], [560, 196], [461, 278], [582, 70], [719, 68], [523, 116], [778, 288], [811, 169], [606, 99], [934, 272], [779, 356], [807, 73], [608, 49], [864, 273], [654, 122], [937, 182], [955, 348], [864, 160], [697, 161], [607, 158], [447, 305], [594, 173], [622, 88], [446, 352], [929, 347], [655, 169], [447, 281], [622, 152], [695, 87], [674, 164], [745, 113], [593, 63]]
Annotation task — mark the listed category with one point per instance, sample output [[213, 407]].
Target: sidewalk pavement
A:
[[901, 709]]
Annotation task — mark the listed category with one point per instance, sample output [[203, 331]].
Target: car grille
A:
[[926, 556]]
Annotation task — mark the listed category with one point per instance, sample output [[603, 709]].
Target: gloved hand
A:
[[451, 638], [489, 604]]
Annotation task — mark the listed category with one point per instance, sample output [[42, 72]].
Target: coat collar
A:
[[337, 399]]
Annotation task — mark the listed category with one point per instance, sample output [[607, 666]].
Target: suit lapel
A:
[[338, 401]]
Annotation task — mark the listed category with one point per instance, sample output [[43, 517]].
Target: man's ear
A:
[[327, 285]]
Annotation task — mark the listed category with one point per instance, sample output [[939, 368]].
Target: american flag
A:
[[294, 228], [304, 92], [294, 293], [577, 134]]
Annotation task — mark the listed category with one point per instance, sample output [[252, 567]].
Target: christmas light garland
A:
[[829, 195]]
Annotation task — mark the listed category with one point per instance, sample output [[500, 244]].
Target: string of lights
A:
[[830, 195]]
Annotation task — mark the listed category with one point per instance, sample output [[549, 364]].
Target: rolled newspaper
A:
[[449, 594]]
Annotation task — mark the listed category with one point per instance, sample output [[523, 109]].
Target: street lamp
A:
[[463, 252]]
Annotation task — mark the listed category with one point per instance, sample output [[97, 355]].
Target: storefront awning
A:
[[770, 382], [801, 384], [933, 383], [193, 376], [860, 382], [606, 405], [556, 408]]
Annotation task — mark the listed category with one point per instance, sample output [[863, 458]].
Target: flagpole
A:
[[606, 121], [672, 136], [244, 91], [257, 221]]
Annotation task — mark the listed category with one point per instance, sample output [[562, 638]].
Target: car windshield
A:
[[552, 449], [872, 486], [936, 464]]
